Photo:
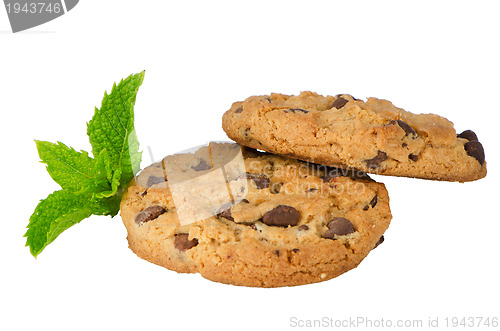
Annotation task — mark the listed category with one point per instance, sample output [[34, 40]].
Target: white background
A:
[[440, 257]]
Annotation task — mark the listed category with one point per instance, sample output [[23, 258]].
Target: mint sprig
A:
[[112, 127], [90, 186]]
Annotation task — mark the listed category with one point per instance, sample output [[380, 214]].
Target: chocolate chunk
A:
[[182, 242], [295, 250], [261, 181], [372, 203], [408, 129], [149, 214], [413, 157], [468, 134], [152, 180], [238, 110], [227, 214], [225, 211], [277, 252], [245, 201], [341, 94], [381, 240], [475, 149], [339, 103], [375, 162], [295, 110], [275, 188], [281, 216], [404, 145], [202, 166], [331, 173], [339, 226], [303, 227]]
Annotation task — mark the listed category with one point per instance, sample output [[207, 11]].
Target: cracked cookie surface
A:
[[287, 223], [373, 136]]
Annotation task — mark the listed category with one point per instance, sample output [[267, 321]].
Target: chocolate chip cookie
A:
[[243, 217], [342, 131]]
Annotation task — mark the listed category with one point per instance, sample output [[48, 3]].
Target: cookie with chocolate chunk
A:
[[242, 217], [373, 135]]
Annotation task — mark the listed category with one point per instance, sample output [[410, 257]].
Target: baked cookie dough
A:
[[373, 135], [286, 223]]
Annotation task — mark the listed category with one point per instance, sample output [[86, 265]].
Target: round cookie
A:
[[373, 136], [288, 222]]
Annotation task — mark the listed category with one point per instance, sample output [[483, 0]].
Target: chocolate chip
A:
[[281, 216], [275, 188], [476, 150], [404, 145], [277, 252], [339, 226], [372, 203], [375, 162], [303, 227], [341, 94], [152, 180], [331, 173], [468, 134], [261, 181], [245, 201], [225, 211], [149, 214], [408, 129], [227, 214], [238, 110], [312, 189], [202, 166], [295, 110], [413, 157], [339, 103], [182, 242], [295, 250], [381, 240], [268, 99], [144, 193]]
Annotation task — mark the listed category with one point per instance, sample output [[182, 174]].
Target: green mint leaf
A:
[[89, 186], [61, 210], [107, 206], [64, 222], [74, 171], [112, 127], [115, 183], [63, 205]]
